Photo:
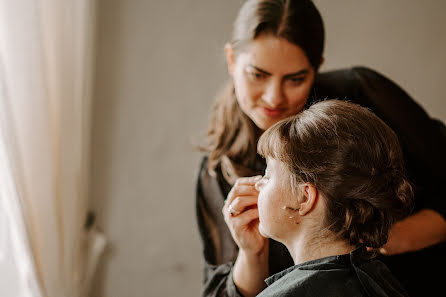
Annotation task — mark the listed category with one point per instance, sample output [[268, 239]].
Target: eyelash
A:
[[297, 80], [256, 76], [260, 76]]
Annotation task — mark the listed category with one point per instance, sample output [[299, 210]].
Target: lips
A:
[[273, 113]]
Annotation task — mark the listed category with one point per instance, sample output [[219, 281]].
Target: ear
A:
[[309, 199], [230, 58]]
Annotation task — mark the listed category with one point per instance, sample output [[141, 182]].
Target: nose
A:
[[273, 95]]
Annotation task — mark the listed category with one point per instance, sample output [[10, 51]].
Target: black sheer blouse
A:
[[423, 141]]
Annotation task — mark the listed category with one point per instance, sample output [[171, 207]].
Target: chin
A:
[[263, 232]]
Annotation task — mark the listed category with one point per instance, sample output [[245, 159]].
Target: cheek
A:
[[268, 205], [273, 219], [246, 92], [298, 97], [261, 206]]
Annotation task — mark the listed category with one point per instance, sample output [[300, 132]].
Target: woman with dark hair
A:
[[334, 184], [273, 60]]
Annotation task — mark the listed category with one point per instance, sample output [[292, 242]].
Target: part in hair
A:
[[232, 136]]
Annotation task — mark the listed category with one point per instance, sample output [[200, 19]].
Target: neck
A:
[[307, 248]]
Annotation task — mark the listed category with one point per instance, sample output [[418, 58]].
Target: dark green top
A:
[[349, 275]]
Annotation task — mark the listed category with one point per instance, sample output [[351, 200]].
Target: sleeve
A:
[[219, 250], [422, 138]]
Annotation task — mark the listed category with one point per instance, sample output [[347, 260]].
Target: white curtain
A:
[[46, 66]]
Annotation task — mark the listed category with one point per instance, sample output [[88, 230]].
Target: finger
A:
[[251, 180], [241, 203], [241, 190], [239, 206], [244, 218]]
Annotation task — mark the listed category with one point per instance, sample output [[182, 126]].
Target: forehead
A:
[[275, 54], [276, 166]]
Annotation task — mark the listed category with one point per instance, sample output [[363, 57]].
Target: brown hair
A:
[[232, 136], [353, 158]]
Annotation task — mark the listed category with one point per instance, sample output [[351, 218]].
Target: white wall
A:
[[159, 64], [405, 40]]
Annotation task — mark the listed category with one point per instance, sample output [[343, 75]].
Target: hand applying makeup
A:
[[242, 218]]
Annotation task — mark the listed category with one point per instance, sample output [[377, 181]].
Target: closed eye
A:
[[297, 80], [256, 76]]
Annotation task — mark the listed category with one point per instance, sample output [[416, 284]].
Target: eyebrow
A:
[[300, 72]]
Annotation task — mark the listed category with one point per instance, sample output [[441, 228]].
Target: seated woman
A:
[[334, 184]]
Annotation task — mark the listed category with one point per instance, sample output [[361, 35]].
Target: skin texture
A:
[[272, 79]]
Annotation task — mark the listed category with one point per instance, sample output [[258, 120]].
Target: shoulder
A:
[[315, 282], [344, 275], [211, 185], [344, 84], [376, 277], [205, 175], [369, 88], [348, 77], [350, 71], [367, 76], [203, 165], [366, 71]]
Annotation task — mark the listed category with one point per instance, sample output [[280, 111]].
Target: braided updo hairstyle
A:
[[354, 159]]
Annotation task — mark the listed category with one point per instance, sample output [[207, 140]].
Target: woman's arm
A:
[[422, 229], [227, 272], [251, 267], [219, 250], [250, 271]]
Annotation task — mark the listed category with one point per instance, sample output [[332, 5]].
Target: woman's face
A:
[[276, 203], [272, 79]]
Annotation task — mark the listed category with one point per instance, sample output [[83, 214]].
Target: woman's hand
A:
[[242, 216]]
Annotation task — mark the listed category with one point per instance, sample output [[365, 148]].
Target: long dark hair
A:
[[232, 136]]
